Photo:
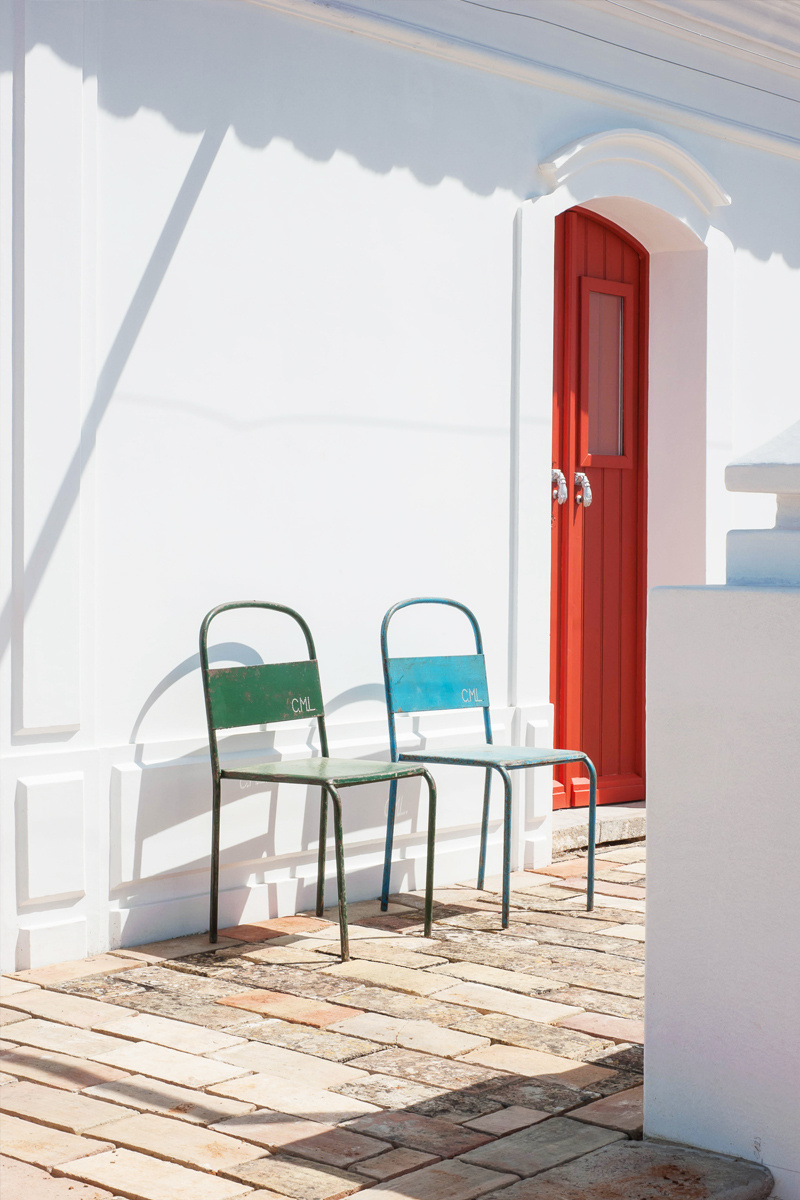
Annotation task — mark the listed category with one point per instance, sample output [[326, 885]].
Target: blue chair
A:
[[416, 685], [237, 697]]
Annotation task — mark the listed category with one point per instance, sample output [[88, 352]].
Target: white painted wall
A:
[[276, 317], [723, 967]]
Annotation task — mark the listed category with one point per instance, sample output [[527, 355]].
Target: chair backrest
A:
[[434, 683], [263, 694]]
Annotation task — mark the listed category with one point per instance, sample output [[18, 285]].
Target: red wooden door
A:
[[599, 430]]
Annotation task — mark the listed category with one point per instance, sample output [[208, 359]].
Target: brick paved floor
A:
[[473, 1063]]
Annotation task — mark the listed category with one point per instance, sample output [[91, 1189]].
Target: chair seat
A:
[[338, 771], [500, 756]]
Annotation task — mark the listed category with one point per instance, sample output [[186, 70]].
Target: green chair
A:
[[237, 697]]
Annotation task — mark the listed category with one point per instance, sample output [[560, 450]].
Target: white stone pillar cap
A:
[[768, 557], [773, 467]]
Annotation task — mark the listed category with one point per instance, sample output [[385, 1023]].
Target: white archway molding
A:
[[689, 349], [648, 152]]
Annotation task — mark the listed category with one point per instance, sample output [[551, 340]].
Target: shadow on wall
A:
[[212, 68], [157, 808], [111, 372], [172, 798], [218, 66]]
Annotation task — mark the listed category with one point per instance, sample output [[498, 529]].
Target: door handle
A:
[[584, 496], [559, 485]]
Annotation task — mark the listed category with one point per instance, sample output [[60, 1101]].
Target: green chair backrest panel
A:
[[263, 694], [444, 681]]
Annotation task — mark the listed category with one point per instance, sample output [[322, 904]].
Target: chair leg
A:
[[340, 884], [323, 839], [387, 859], [506, 847], [487, 789], [592, 834], [216, 804], [430, 863]]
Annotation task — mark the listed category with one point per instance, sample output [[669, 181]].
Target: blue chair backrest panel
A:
[[445, 681], [264, 694]]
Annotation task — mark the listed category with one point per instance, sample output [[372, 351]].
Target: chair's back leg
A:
[[213, 918], [506, 847], [592, 834], [430, 863], [387, 858], [487, 790], [340, 884], [323, 840]]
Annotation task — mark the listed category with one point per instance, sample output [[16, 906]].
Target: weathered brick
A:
[[492, 999], [393, 1163], [289, 1064], [513, 981], [43, 1146], [13, 987], [329, 1144], [63, 1039], [10, 1016], [177, 1141], [411, 1035], [68, 1010], [172, 1066], [152, 1095], [180, 947], [520, 1061], [452, 1180], [401, 979], [290, 1008], [507, 1120], [98, 964], [177, 1035], [57, 1070], [634, 932], [297, 1099], [427, 1134], [615, 1029], [18, 1179], [303, 1180], [146, 1178], [65, 1110], [622, 1111], [262, 931], [541, 1146]]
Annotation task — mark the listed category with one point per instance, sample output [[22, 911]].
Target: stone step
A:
[[615, 823], [627, 1169]]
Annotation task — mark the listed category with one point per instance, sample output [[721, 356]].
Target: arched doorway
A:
[[599, 519], [659, 195]]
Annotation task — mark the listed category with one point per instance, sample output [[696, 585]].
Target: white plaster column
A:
[[723, 957]]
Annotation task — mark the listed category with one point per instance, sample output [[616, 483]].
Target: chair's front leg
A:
[[431, 844], [387, 858], [323, 840], [340, 884], [592, 833], [487, 790], [216, 804], [506, 844]]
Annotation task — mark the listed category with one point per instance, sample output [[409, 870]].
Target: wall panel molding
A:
[[50, 838]]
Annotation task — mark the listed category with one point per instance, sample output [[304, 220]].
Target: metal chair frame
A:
[[435, 683], [237, 697]]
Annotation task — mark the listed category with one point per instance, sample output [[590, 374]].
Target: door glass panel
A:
[[605, 373]]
